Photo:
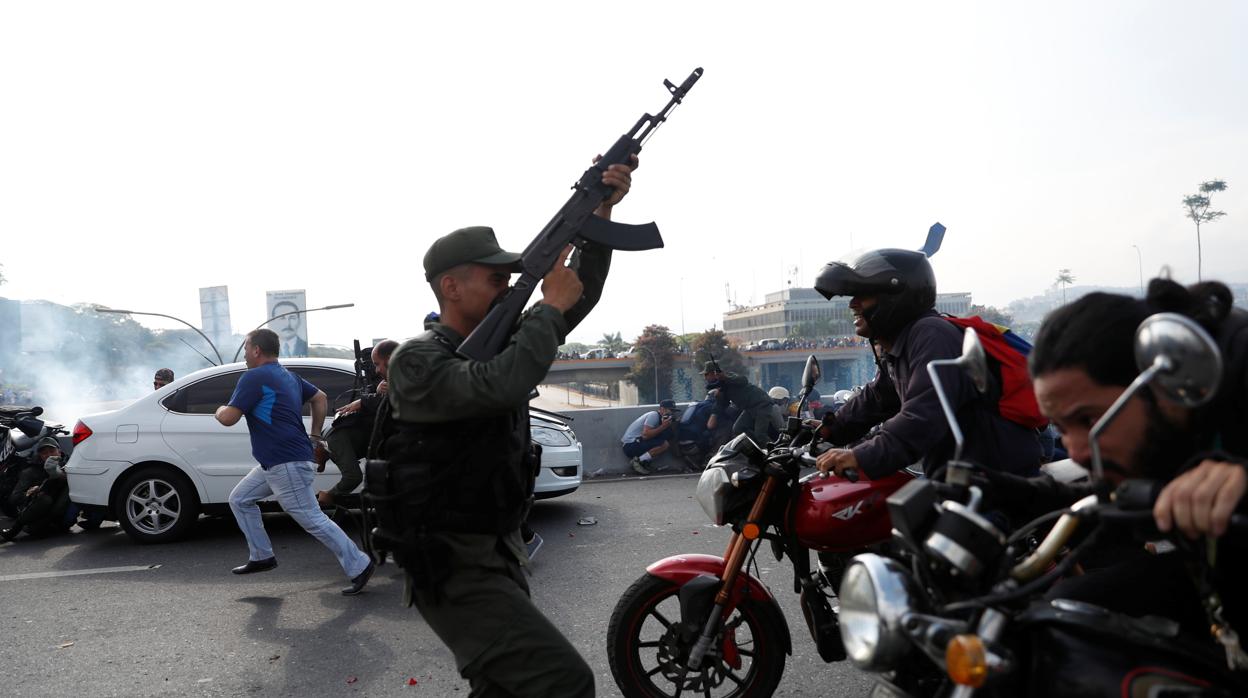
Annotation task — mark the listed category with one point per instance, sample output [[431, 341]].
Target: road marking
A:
[[74, 573]]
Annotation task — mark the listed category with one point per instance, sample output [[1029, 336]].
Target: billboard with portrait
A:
[[292, 329]]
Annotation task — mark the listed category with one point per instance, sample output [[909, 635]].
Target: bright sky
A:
[[151, 148]]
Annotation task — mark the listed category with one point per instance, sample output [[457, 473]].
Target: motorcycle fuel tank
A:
[[835, 515]]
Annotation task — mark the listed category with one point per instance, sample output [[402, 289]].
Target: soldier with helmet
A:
[[893, 303]]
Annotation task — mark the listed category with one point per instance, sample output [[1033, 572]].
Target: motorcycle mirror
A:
[[1178, 357], [811, 374], [1194, 361], [974, 361]]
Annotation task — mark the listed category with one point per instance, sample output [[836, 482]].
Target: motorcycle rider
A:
[[893, 299], [1082, 362]]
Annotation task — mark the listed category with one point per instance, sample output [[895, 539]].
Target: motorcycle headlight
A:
[[875, 593], [712, 493], [549, 437]]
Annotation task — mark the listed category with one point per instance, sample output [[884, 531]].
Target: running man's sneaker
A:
[[640, 467]]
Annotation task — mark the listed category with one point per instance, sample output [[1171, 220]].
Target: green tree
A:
[[613, 343], [1064, 279], [2, 279], [656, 347], [1198, 210], [714, 344], [993, 314]]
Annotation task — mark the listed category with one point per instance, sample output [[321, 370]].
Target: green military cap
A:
[[47, 442], [476, 244], [711, 367]]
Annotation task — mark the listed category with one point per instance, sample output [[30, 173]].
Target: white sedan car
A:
[[158, 463]]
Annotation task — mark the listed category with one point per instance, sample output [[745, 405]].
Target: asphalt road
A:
[[94, 614]]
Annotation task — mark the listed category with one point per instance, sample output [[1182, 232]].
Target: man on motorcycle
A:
[[1082, 362], [893, 298]]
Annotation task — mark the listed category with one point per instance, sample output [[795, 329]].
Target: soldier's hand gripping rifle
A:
[[575, 224]]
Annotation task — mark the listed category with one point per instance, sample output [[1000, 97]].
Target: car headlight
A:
[[875, 593], [549, 437]]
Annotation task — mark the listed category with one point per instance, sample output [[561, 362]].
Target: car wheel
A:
[[157, 504]]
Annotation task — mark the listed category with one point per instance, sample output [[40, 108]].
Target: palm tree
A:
[[613, 343], [1064, 278], [1198, 210]]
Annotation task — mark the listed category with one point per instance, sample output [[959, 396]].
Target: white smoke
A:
[[76, 362]]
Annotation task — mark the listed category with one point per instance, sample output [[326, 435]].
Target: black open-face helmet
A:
[[903, 280]]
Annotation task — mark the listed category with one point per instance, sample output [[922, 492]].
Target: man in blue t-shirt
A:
[[272, 400]]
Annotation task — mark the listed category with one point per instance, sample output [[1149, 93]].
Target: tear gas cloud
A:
[[75, 362]]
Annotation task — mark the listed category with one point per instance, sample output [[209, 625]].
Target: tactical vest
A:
[[471, 475]]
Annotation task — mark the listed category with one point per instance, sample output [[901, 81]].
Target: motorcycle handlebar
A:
[[809, 460], [1039, 561], [1132, 505]]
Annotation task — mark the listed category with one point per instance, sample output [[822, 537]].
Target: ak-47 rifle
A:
[[575, 224]]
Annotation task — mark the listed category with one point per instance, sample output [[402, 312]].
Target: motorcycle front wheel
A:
[[648, 652]]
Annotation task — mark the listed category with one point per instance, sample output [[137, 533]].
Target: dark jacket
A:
[[740, 392], [903, 401]]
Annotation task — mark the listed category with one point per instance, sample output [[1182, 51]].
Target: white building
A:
[[783, 311]]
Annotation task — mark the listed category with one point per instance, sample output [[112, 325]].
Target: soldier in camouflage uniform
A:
[[461, 461]]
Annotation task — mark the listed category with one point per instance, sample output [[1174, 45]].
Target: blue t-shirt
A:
[[272, 399]]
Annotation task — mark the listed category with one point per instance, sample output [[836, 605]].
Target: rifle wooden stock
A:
[[575, 224]]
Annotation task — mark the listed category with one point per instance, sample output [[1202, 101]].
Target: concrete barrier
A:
[[600, 430]]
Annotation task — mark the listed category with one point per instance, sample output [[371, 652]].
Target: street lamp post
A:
[[1139, 257], [654, 361], [103, 309], [293, 312]]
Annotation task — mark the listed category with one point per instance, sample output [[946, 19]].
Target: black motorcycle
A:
[[20, 430], [959, 608]]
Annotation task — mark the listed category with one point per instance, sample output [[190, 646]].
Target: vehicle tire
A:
[[645, 650], [157, 504]]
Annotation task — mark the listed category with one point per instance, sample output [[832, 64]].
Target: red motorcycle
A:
[[703, 625]]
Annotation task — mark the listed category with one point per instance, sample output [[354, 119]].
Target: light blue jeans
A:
[[291, 483]]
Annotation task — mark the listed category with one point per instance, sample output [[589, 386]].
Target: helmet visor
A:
[[868, 274]]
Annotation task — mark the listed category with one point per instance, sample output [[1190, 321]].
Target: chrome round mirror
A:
[[1176, 357], [811, 374], [974, 361], [1189, 362]]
